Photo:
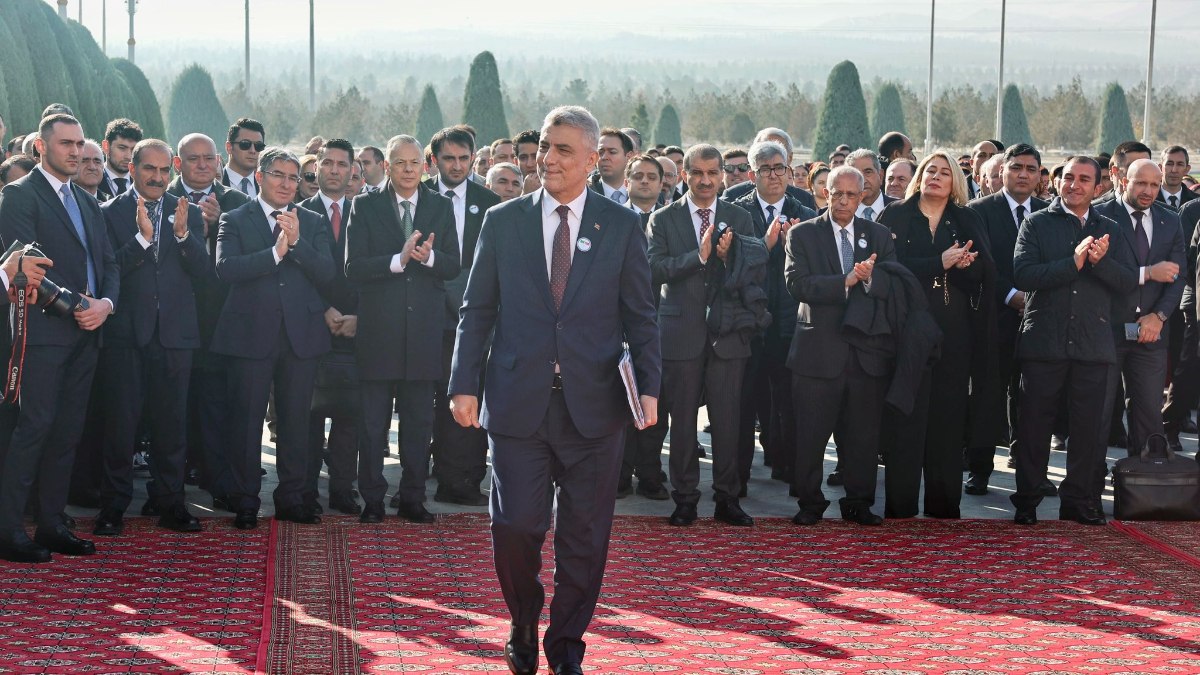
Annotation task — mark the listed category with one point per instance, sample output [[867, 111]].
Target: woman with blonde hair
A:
[[942, 243]]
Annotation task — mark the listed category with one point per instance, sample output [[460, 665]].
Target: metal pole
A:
[[132, 4], [80, 8], [929, 93], [312, 57], [1000, 77], [104, 26], [1149, 75], [246, 80]]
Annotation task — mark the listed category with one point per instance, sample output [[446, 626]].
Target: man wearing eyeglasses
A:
[[781, 137], [737, 167], [246, 140], [275, 256]]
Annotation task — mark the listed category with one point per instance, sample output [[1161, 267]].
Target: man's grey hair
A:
[[766, 134], [577, 117], [191, 138], [635, 136], [994, 159], [860, 154], [403, 139], [845, 170], [763, 151], [149, 144], [27, 144], [275, 154], [94, 145], [502, 166], [700, 151]]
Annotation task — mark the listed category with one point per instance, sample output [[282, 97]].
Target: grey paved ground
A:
[[766, 497]]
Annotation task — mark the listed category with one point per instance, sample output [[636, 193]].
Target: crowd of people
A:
[[920, 313]]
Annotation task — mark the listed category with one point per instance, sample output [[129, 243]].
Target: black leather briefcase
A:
[[335, 392], [1157, 484]]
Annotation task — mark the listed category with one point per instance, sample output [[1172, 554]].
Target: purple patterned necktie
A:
[[560, 262]]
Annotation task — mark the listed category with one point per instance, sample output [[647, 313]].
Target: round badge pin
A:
[[473, 209], [584, 244], [171, 219], [862, 243]]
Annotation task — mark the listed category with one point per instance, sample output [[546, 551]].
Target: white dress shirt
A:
[[837, 244], [550, 221], [1012, 208], [328, 203], [267, 210], [762, 206], [1148, 225], [1177, 195], [111, 176], [460, 206], [610, 191], [396, 266], [876, 209], [235, 181]]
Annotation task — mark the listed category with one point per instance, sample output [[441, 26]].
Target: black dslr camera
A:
[[54, 300]]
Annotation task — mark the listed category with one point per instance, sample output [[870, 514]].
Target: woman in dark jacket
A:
[[943, 244]]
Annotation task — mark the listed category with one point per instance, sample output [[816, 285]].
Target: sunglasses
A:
[[743, 167], [310, 176], [246, 145]]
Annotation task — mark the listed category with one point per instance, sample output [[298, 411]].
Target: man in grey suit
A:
[[560, 276]]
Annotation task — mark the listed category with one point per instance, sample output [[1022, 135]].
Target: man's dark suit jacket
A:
[[481, 199], [780, 303], [400, 315], [815, 279], [689, 286], [742, 189], [1067, 313], [262, 293], [1166, 244], [340, 292], [1185, 195], [31, 211], [155, 295], [1189, 223], [1001, 231], [606, 302]]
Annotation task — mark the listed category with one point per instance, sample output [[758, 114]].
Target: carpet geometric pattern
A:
[[150, 601], [917, 596]]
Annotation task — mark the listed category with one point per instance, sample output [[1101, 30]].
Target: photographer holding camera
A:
[[61, 347]]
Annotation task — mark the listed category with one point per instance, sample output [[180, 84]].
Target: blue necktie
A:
[[847, 253], [77, 220]]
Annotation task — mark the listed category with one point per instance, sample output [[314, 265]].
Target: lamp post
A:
[[1000, 78], [929, 93], [132, 4], [1149, 75]]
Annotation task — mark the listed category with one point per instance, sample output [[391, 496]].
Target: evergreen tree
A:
[[641, 119], [1116, 125], [193, 106], [20, 114], [345, 116], [82, 77], [843, 116], [1014, 125], [483, 105], [668, 131], [30, 26], [151, 119], [887, 112], [113, 97], [741, 128], [429, 115]]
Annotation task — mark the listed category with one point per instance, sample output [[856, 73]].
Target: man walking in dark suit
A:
[[197, 163], [1002, 214], [690, 260], [274, 257], [835, 384], [401, 249], [561, 277], [1066, 263], [334, 160], [459, 454], [1150, 232], [147, 357], [61, 351]]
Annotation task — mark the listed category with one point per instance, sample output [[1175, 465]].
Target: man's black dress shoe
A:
[[178, 518], [568, 669], [1047, 489], [684, 515], [19, 548], [975, 485], [372, 513], [395, 503], [297, 514], [521, 650], [61, 540], [67, 521], [1025, 517], [835, 479], [108, 524], [415, 512], [313, 506], [862, 516], [730, 512], [1084, 515], [246, 519], [803, 517], [652, 489], [150, 508], [344, 503]]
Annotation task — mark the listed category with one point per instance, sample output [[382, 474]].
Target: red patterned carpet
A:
[[150, 601], [912, 597]]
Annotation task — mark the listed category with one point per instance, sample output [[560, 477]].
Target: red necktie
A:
[[560, 262], [336, 221], [705, 223]]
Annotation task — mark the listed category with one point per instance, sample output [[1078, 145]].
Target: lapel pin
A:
[[862, 243], [171, 219], [597, 226], [474, 208], [584, 244]]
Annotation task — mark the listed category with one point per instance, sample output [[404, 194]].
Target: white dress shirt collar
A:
[[876, 208], [55, 183], [762, 205], [460, 190], [268, 210], [329, 202], [1013, 204]]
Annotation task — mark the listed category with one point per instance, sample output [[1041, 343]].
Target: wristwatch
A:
[[1161, 316]]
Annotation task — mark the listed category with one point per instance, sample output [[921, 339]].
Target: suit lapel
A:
[[829, 243], [529, 233], [259, 226], [863, 244], [593, 231], [55, 204], [472, 222]]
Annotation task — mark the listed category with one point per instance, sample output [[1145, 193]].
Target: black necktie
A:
[[197, 196], [120, 183], [1020, 215], [1143, 241], [277, 229], [1173, 201]]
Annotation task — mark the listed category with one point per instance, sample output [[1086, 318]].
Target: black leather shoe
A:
[[730, 512], [568, 668], [178, 518], [67, 521], [652, 489], [415, 512], [1085, 515], [19, 548], [975, 485], [222, 503], [1047, 489], [803, 517], [108, 524], [1025, 517], [835, 479], [700, 451], [372, 513], [521, 650], [61, 540], [462, 495], [297, 514], [150, 508], [314, 507], [246, 519], [684, 515], [344, 503], [862, 516], [395, 503]]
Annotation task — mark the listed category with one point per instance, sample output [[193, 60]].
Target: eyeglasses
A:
[[777, 170], [259, 146], [842, 196], [310, 177], [285, 177], [743, 167]]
